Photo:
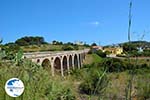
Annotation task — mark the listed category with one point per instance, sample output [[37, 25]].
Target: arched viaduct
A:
[[60, 61]]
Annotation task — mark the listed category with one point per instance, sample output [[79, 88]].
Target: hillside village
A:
[[135, 48], [111, 51]]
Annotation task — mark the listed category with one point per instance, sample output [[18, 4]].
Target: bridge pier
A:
[[62, 70], [73, 62], [78, 61], [68, 68]]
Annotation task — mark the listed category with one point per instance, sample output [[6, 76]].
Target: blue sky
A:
[[101, 21]]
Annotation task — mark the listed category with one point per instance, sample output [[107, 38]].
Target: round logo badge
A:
[[14, 87]]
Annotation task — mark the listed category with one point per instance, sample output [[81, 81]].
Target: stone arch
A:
[[64, 62], [75, 60], [46, 64], [70, 61], [57, 63]]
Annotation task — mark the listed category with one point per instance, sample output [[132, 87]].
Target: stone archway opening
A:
[[57, 65], [70, 62], [75, 61], [65, 63], [46, 64]]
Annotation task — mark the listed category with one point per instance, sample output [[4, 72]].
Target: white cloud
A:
[[96, 23]]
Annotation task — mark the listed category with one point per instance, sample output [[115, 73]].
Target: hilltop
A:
[[33, 44]]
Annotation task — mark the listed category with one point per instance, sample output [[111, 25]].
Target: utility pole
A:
[[130, 22], [129, 90]]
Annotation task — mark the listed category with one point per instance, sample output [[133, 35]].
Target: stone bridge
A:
[[58, 61]]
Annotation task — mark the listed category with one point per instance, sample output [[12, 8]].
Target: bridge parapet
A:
[[55, 53]]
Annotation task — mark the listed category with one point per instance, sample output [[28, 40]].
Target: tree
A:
[[54, 42], [101, 53], [93, 44], [10, 51], [67, 47], [127, 47], [1, 40], [69, 43], [86, 45], [24, 41]]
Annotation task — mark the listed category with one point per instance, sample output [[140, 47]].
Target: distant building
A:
[[96, 48], [140, 49], [114, 50], [79, 42]]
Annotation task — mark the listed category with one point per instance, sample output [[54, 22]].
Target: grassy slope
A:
[[92, 58]]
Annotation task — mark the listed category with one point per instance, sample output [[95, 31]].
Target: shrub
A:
[[101, 53], [143, 88], [67, 47], [118, 65], [39, 85], [95, 83]]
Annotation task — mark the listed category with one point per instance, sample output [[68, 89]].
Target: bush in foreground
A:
[[39, 85], [95, 83]]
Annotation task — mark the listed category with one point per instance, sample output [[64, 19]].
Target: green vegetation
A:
[[24, 41], [101, 53], [9, 52], [34, 44], [92, 58], [39, 85], [43, 47], [106, 79], [51, 47], [67, 47], [113, 85], [120, 65], [134, 48], [100, 78], [54, 42], [93, 44], [143, 86], [95, 82]]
